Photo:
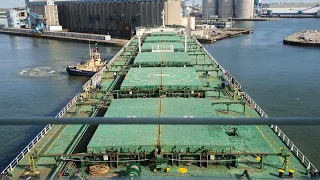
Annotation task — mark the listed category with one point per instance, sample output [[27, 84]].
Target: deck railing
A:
[[97, 77], [35, 140], [309, 166], [228, 76], [91, 83], [67, 107]]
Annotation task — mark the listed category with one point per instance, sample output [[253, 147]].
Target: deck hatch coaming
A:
[[164, 58], [168, 78], [139, 138]]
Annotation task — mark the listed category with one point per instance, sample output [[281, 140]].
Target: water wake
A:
[[45, 71]]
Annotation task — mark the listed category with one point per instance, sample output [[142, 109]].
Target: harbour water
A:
[[282, 79]]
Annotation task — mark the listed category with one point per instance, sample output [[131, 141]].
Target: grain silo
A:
[[244, 8], [114, 17], [192, 23], [184, 21], [225, 8], [209, 8]]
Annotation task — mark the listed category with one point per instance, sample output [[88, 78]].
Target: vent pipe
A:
[[139, 42], [162, 16], [185, 43]]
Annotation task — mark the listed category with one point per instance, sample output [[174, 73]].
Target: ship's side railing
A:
[[35, 140], [259, 110], [67, 107], [91, 82], [228, 76], [97, 76], [283, 136]]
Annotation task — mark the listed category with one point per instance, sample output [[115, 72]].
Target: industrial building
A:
[[3, 18], [16, 18], [114, 17], [294, 9], [228, 8]]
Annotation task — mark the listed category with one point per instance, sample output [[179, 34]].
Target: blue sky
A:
[[19, 3]]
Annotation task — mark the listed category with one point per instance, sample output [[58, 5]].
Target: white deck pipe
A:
[[185, 43], [139, 42]]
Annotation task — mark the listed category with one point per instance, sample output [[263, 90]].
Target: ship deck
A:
[[157, 91]]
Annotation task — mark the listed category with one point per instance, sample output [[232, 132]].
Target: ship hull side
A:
[[78, 72]]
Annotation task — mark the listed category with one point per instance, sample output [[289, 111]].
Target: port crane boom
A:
[[39, 27]]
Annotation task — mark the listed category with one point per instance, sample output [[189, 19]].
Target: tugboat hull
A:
[[72, 71]]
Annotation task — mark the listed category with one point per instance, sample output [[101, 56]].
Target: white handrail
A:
[[285, 139], [91, 83], [35, 140], [97, 77], [226, 74]]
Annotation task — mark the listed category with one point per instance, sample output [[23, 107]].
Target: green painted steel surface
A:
[[170, 107], [164, 33], [169, 78], [181, 107], [183, 138], [123, 138], [167, 58], [172, 138], [108, 136], [132, 107], [163, 38], [162, 45]]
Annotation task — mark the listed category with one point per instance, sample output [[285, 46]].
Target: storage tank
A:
[[244, 8], [209, 8], [225, 8], [184, 21], [108, 38], [192, 23]]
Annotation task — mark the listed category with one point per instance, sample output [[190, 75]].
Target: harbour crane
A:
[[125, 25], [39, 27], [301, 11]]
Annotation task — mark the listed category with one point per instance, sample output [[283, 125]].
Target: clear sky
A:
[[21, 3]]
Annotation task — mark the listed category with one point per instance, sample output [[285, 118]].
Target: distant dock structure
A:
[[304, 38]]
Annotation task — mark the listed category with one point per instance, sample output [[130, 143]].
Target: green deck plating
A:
[[167, 78], [165, 58], [161, 84], [177, 46]]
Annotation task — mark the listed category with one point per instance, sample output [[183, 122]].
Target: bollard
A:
[[37, 174], [291, 173], [27, 175], [281, 171]]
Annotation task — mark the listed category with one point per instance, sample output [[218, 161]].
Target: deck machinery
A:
[[162, 72]]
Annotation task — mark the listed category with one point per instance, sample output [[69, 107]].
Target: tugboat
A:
[[89, 67]]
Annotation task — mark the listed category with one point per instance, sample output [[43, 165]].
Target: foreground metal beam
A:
[[152, 120]]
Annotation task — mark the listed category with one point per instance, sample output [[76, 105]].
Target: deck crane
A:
[[39, 27]]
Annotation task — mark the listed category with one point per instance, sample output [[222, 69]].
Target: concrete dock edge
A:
[[113, 42]]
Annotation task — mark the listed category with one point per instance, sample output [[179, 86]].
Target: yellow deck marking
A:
[[182, 170], [270, 143], [279, 147], [265, 138]]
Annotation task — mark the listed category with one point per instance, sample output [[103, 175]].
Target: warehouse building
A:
[[294, 8], [114, 17]]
